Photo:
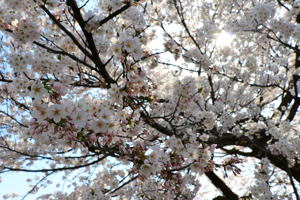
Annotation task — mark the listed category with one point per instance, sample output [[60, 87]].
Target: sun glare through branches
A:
[[224, 39]]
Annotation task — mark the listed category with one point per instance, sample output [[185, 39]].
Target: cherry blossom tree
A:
[[142, 99]]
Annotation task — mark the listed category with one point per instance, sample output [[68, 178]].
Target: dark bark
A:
[[219, 183]]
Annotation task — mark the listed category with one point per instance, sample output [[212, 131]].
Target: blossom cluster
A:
[[139, 96]]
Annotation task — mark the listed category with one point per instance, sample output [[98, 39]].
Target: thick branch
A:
[[219, 183], [114, 14], [257, 145], [91, 43], [66, 31]]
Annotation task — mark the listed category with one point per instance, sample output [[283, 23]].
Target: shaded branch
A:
[[180, 14], [114, 14], [63, 53], [91, 43], [55, 169], [124, 184], [258, 145], [36, 185], [219, 183], [66, 31]]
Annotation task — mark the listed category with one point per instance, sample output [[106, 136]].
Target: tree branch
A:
[[219, 183], [65, 30], [90, 41], [55, 169]]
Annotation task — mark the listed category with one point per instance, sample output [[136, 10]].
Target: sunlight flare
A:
[[224, 39]]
